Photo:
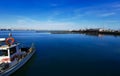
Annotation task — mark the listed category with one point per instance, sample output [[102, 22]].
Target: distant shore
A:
[[98, 31], [81, 31], [89, 32]]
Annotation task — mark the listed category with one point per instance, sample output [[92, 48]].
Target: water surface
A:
[[69, 54]]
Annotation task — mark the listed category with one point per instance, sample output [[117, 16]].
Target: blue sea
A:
[[69, 54]]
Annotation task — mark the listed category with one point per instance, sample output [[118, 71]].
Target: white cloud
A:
[[112, 21], [102, 10], [107, 14], [27, 23], [54, 14]]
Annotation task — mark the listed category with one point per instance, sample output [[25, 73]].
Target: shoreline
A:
[[87, 31]]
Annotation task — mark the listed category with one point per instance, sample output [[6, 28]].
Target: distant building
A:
[[94, 30], [100, 30]]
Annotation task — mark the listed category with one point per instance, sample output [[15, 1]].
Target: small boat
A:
[[12, 57]]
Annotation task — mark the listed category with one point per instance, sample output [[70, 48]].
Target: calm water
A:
[[70, 54]]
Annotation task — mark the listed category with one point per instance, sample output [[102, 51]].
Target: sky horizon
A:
[[59, 14]]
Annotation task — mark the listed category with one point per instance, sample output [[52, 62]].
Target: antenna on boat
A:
[[10, 34]]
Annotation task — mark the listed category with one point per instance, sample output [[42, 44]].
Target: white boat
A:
[[12, 57]]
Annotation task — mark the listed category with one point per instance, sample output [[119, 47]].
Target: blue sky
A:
[[59, 14]]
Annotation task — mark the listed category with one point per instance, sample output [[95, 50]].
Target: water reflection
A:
[[100, 35]]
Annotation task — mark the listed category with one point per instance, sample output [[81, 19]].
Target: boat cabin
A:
[[8, 53]]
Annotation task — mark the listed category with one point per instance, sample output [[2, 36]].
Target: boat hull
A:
[[18, 65]]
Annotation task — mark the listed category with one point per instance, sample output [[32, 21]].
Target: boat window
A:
[[12, 50], [3, 53]]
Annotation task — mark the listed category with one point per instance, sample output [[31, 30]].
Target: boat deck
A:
[[6, 46]]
